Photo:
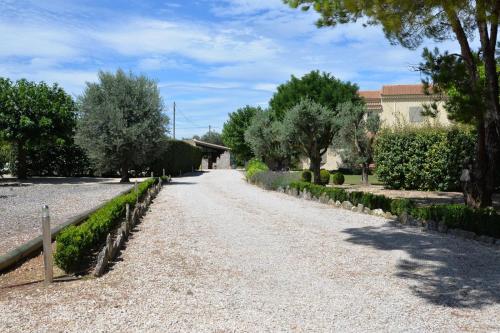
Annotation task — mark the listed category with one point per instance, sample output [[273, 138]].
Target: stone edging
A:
[[404, 219], [112, 248]]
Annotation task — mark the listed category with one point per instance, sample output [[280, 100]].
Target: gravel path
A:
[[218, 255], [20, 206]]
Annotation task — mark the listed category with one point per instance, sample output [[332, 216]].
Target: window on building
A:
[[416, 114]]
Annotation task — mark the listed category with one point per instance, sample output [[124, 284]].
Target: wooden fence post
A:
[[47, 245]]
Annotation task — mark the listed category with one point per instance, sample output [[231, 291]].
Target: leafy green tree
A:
[[120, 121], [265, 138], [356, 135], [233, 133], [33, 113], [310, 127], [322, 88], [409, 23], [212, 137]]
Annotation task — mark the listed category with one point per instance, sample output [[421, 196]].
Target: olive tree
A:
[[233, 133], [310, 127], [120, 121]]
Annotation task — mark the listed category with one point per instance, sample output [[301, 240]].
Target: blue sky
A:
[[210, 56]]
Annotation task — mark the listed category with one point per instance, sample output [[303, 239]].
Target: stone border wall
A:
[[112, 247], [403, 220]]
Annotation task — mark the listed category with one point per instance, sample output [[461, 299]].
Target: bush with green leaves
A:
[[175, 157], [425, 158], [306, 176], [338, 178], [255, 166], [324, 177], [77, 244], [272, 180]]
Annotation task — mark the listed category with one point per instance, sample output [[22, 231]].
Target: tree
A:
[[409, 23], [322, 88], [356, 135], [310, 128], [233, 133], [265, 138], [33, 113], [120, 121], [212, 137]]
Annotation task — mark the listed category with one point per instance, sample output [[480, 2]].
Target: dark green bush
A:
[[306, 176], [76, 244], [426, 158], [175, 157], [399, 206], [324, 176], [338, 178], [255, 166], [272, 180]]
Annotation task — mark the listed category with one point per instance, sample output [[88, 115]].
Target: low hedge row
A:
[[480, 221], [372, 201], [76, 244], [272, 180], [176, 156], [255, 166]]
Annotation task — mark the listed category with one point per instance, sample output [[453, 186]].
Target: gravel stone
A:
[[215, 254]]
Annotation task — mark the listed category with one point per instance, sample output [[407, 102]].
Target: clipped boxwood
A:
[[76, 244], [338, 178], [306, 176], [324, 177], [175, 156]]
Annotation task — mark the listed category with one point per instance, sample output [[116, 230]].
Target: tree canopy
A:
[[212, 137], [310, 128], [321, 88], [34, 113], [233, 133], [120, 121]]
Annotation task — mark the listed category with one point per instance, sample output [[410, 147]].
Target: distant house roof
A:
[[199, 143], [402, 89], [372, 99], [369, 94]]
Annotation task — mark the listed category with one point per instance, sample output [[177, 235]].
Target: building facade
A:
[[396, 105]]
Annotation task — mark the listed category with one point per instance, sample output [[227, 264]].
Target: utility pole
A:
[[174, 120], [209, 129]]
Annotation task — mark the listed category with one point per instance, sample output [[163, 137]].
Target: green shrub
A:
[[255, 166], [306, 176], [76, 244], [324, 176], [338, 178], [175, 156], [272, 180], [425, 158], [399, 206]]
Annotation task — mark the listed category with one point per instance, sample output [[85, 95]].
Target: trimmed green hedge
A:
[[255, 166], [480, 221], [306, 176], [176, 156], [76, 244], [338, 178], [324, 176], [426, 158]]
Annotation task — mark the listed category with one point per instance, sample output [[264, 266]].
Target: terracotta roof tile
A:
[[370, 94], [403, 89]]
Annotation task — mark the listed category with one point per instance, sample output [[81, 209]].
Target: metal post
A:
[[127, 213], [47, 245], [152, 174], [163, 172], [174, 120]]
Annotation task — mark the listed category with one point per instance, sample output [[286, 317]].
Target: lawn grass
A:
[[356, 180]]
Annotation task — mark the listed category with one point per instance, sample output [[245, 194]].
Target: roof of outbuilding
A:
[[402, 89]]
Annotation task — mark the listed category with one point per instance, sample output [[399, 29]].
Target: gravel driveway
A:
[[20, 206], [218, 255]]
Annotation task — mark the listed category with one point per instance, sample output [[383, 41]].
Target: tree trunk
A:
[[365, 170], [315, 168], [124, 173], [21, 160]]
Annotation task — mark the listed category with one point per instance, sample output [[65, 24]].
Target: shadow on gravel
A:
[[448, 272]]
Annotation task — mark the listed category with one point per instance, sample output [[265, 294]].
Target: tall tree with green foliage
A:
[[322, 88], [233, 133], [212, 137], [357, 130], [310, 127], [265, 137], [120, 121], [409, 23], [33, 113]]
